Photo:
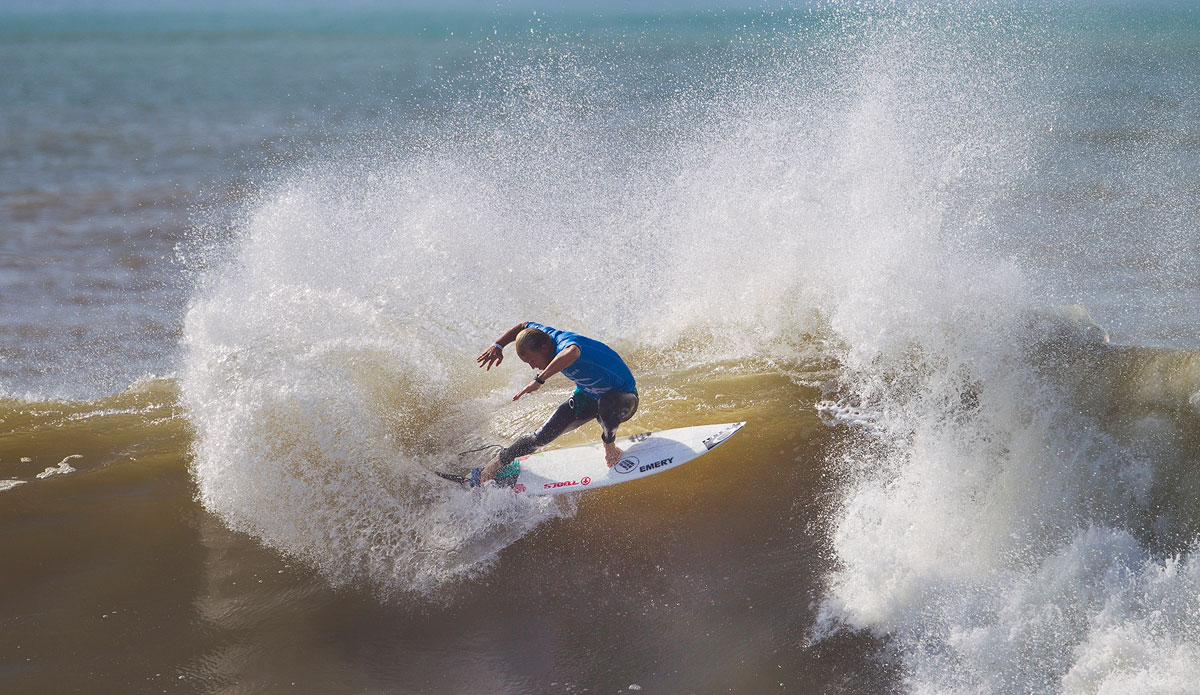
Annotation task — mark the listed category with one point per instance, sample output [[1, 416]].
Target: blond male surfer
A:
[[604, 390]]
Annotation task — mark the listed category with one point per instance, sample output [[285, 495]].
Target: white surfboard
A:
[[583, 467]]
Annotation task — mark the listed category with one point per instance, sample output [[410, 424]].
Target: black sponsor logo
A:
[[656, 464], [719, 437], [627, 464], [635, 438]]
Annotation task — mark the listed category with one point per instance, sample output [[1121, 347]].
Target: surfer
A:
[[604, 390]]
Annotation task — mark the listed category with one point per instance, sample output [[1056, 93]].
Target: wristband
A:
[[539, 379], [499, 346]]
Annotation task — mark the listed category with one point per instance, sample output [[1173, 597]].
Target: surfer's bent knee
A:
[[614, 408]]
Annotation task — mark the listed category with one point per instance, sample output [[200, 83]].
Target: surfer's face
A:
[[537, 360]]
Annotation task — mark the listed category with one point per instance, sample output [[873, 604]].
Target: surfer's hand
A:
[[612, 455], [529, 388], [490, 356]]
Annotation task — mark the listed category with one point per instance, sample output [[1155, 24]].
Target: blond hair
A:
[[531, 340]]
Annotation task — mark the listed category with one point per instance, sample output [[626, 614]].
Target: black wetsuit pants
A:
[[610, 410]]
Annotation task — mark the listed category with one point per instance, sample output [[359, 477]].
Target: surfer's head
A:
[[535, 348]]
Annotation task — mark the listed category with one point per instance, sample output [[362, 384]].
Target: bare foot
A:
[[489, 471]]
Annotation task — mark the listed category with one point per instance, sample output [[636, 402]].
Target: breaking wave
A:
[[1016, 506]]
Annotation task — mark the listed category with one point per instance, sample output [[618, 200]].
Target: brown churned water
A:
[[705, 579]]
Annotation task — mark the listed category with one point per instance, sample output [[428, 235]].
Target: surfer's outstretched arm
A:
[[495, 352]]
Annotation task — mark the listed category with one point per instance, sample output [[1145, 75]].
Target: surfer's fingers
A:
[[489, 357]]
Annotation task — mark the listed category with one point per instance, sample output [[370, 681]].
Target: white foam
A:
[[998, 535], [63, 467], [835, 413]]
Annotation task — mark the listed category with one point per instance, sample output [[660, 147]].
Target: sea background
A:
[[944, 259]]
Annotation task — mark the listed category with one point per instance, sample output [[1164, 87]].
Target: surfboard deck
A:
[[576, 468]]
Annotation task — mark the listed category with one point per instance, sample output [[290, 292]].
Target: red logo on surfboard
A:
[[567, 483]]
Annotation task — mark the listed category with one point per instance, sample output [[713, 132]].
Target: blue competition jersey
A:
[[598, 370]]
